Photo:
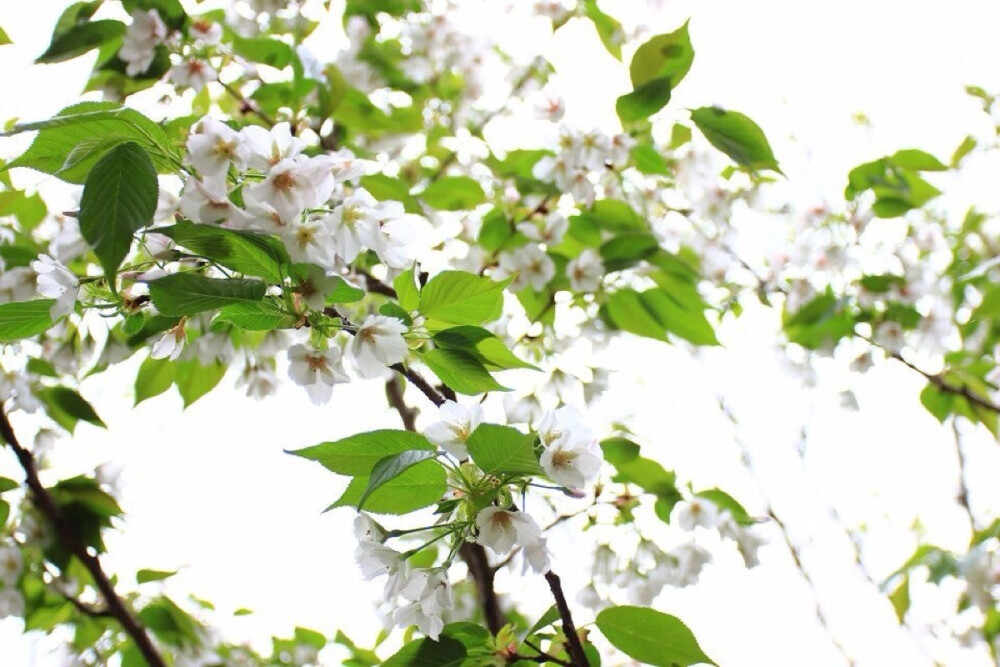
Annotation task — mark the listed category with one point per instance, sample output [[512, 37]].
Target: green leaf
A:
[[626, 249], [67, 407], [264, 50], [263, 315], [416, 487], [74, 140], [7, 485], [678, 318], [666, 56], [616, 216], [155, 377], [194, 380], [547, 619], [189, 293], [651, 637], [497, 449], [80, 39], [119, 198], [24, 319], [725, 501], [446, 652], [357, 454], [384, 188], [250, 253], [917, 160], [28, 209], [454, 193], [608, 29], [649, 161], [407, 292], [4, 39], [392, 467], [900, 598], [644, 101], [145, 576], [461, 371], [458, 297], [483, 345], [627, 312], [737, 136]]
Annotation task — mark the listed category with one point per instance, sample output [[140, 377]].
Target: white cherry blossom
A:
[[378, 343], [56, 282], [530, 265], [11, 603], [430, 593], [354, 223], [142, 36], [10, 565], [455, 424], [193, 73], [585, 271], [501, 529], [687, 514], [266, 148], [316, 370]]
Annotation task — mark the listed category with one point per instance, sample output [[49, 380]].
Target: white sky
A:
[[210, 491]]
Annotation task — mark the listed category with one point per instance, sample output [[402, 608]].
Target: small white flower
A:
[[294, 185], [585, 271], [310, 241], [10, 565], [193, 73], [430, 592], [501, 529], [691, 558], [11, 603], [316, 370], [314, 287], [355, 224], [549, 105], [143, 35], [695, 512], [259, 380], [367, 529], [269, 147], [531, 266], [347, 168], [378, 343], [171, 344], [456, 423], [56, 282], [208, 202], [550, 233], [207, 31], [537, 556], [571, 455]]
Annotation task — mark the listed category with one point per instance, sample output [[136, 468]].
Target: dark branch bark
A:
[[573, 645], [482, 575], [64, 531], [248, 107], [394, 393]]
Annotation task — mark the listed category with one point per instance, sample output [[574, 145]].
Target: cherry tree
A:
[[276, 218]]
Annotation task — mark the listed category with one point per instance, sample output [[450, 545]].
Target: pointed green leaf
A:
[[357, 454], [497, 448], [189, 293], [483, 345], [737, 136], [263, 315], [392, 467], [651, 637], [416, 487], [80, 39], [666, 56], [454, 193], [459, 297], [461, 371], [24, 319], [250, 253], [119, 198], [155, 377]]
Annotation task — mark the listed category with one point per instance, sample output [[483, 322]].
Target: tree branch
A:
[[246, 106], [573, 645], [483, 575], [64, 530], [394, 394]]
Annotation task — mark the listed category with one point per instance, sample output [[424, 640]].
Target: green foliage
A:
[[263, 315], [737, 136], [667, 56], [250, 253], [190, 293], [644, 101], [645, 473], [194, 379], [656, 312], [895, 183], [155, 376], [446, 652], [80, 39], [820, 322], [119, 198], [66, 407], [503, 449], [651, 637], [608, 29], [463, 372], [416, 487], [358, 454], [454, 193], [70, 143], [24, 319], [489, 350], [407, 291], [458, 297], [391, 467]]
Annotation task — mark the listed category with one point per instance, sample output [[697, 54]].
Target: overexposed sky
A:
[[210, 491]]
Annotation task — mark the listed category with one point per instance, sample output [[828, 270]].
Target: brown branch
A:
[[86, 609], [64, 530], [377, 286], [394, 394], [248, 107], [963, 485], [541, 657], [483, 575], [573, 645]]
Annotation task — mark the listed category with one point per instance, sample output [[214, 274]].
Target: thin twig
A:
[[541, 657], [573, 645], [963, 485], [394, 394], [246, 106], [66, 534]]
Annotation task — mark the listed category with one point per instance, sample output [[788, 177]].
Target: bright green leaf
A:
[[357, 454], [458, 297], [24, 319], [737, 136], [499, 449], [155, 377], [390, 467], [189, 293], [460, 371], [416, 487], [454, 193], [651, 637]]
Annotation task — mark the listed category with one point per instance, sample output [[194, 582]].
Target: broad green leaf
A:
[[480, 343], [28, 209], [547, 619], [623, 454], [80, 39], [416, 487], [384, 188], [939, 403], [7, 485], [649, 161], [499, 449], [194, 379], [392, 467], [666, 56], [917, 160], [170, 624], [608, 29], [446, 652], [4, 39], [454, 193], [189, 293], [71, 143], [628, 313], [460, 371], [407, 292], [727, 502], [155, 377], [77, 14], [119, 198], [737, 136], [616, 216], [619, 451], [644, 101], [458, 297], [24, 319], [250, 253], [624, 250], [679, 318], [264, 50], [146, 576], [309, 637], [357, 454], [651, 637], [263, 315], [67, 407]]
